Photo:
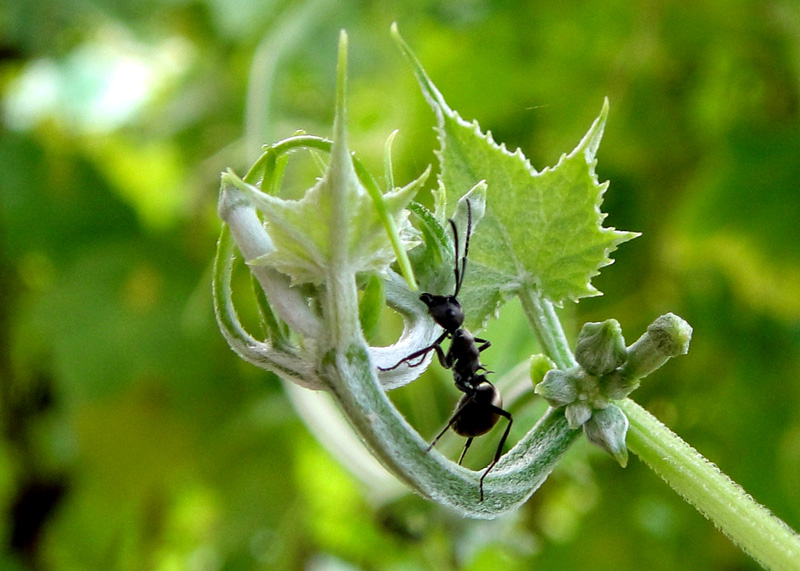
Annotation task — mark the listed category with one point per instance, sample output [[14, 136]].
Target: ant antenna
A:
[[456, 268], [460, 272]]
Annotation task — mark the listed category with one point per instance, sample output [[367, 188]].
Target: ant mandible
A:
[[481, 407]]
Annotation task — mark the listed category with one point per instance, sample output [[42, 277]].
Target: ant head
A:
[[445, 310]]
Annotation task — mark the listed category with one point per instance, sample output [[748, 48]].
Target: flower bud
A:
[[601, 347], [668, 336], [578, 413]]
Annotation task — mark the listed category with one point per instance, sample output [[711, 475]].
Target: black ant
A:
[[481, 406]]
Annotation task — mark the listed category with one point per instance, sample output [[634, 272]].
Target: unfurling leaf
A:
[[301, 229]]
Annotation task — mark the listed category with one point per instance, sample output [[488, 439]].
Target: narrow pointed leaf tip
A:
[[591, 141], [429, 90], [542, 230], [340, 120]]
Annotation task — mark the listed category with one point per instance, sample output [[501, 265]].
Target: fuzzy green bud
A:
[[668, 336], [601, 347], [608, 371], [577, 413]]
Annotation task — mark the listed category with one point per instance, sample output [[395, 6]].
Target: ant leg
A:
[[499, 452], [421, 353], [421, 357], [450, 423], [484, 344], [443, 360], [436, 345], [449, 359], [464, 452]]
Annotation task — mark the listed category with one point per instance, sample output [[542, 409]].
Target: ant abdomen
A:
[[478, 411]]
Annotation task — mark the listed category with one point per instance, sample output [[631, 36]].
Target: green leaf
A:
[[541, 230]]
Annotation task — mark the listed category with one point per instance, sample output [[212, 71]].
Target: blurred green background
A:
[[133, 438]]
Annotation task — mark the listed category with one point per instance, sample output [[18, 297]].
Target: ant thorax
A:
[[463, 352]]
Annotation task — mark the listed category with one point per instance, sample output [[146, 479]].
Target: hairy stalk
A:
[[546, 326], [747, 523], [402, 451]]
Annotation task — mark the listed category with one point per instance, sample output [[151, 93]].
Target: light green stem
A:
[[747, 523], [545, 323]]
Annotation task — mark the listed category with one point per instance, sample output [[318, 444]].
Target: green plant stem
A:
[[747, 523], [547, 327]]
